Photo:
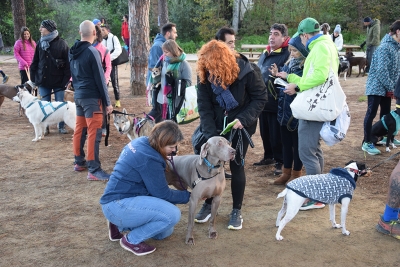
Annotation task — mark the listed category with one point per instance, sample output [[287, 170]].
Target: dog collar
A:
[[30, 104], [357, 172], [200, 178], [210, 166]]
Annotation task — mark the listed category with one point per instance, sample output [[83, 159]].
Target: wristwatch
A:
[[297, 89]]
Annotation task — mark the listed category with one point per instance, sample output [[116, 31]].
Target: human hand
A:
[[109, 109], [238, 125], [362, 45], [69, 85], [282, 75], [290, 89], [273, 69]]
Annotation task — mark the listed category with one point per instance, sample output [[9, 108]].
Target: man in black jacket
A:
[[50, 66], [91, 98], [277, 53]]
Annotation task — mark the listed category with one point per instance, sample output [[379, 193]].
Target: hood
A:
[[389, 39], [78, 48], [244, 65], [375, 22], [159, 37]]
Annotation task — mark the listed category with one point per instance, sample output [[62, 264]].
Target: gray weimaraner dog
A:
[[205, 175], [7, 91]]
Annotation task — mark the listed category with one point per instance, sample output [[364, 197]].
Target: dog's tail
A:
[[282, 194]]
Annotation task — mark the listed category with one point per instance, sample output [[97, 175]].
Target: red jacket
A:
[[124, 30]]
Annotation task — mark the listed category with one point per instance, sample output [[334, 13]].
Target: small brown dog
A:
[[354, 61]]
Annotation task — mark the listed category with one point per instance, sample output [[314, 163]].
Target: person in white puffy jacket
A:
[[337, 37]]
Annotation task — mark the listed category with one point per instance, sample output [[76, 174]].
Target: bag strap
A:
[[112, 39]]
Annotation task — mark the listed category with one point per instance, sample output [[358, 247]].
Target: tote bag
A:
[[321, 103], [189, 110]]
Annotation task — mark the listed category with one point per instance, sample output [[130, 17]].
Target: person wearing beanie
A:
[[322, 58], [50, 66], [372, 39], [337, 37], [288, 124], [381, 83], [96, 22]]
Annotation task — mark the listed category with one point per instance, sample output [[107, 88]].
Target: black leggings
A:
[[291, 149], [238, 182], [374, 101]]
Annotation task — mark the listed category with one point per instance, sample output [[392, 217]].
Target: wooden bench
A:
[[250, 47], [349, 48]]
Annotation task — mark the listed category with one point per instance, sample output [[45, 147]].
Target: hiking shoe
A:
[[47, 131], [370, 148], [98, 175], [312, 205], [391, 228], [140, 249], [113, 233], [236, 220], [228, 176], [62, 131], [264, 162], [5, 79], [80, 168], [117, 103], [204, 214], [278, 168]]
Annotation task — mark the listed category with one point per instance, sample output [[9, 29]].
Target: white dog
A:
[[44, 113], [337, 186]]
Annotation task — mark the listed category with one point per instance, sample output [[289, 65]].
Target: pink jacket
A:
[[24, 57], [106, 59]]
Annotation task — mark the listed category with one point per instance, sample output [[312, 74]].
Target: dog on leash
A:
[[43, 113], [205, 175], [7, 91], [388, 125], [337, 186], [344, 66], [135, 127], [361, 62]]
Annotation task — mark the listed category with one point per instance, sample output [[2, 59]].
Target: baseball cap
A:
[[308, 25], [95, 21]]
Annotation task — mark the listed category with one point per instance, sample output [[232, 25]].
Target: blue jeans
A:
[[144, 216], [45, 93]]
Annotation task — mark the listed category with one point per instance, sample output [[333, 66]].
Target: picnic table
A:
[[349, 48], [250, 47]]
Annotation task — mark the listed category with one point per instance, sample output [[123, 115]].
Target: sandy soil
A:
[[51, 216]]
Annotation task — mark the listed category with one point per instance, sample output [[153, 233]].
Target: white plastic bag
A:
[[332, 132]]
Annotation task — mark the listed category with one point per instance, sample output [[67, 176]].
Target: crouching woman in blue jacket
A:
[[137, 198]]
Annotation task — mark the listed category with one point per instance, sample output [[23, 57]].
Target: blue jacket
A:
[[385, 68], [140, 171], [155, 53], [285, 116], [87, 72]]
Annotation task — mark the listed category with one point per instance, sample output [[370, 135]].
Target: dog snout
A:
[[232, 153]]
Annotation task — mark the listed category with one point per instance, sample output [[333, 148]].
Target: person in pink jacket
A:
[[24, 49], [105, 54]]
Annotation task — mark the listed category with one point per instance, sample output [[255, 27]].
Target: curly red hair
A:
[[217, 59]]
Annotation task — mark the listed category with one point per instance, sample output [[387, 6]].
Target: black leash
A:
[[179, 178], [383, 161], [119, 112], [239, 145], [107, 130]]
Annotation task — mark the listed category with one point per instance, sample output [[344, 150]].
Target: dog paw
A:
[[393, 146], [279, 237], [345, 232], [34, 140], [387, 149], [190, 241], [336, 226], [213, 235]]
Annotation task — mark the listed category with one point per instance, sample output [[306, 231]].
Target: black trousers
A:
[[114, 81], [271, 136]]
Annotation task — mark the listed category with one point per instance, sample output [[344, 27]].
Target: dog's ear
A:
[[348, 163], [204, 151]]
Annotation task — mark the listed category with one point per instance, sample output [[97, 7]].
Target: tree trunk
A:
[[162, 12], [19, 17], [139, 44], [235, 15]]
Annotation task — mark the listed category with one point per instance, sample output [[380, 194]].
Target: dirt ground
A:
[[50, 215]]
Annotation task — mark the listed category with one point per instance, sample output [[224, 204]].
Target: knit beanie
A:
[[49, 24], [367, 19], [337, 29]]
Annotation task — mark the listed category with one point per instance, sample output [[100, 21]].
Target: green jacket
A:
[[323, 54], [374, 33]]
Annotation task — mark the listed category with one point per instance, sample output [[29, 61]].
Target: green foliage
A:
[[362, 98], [184, 14]]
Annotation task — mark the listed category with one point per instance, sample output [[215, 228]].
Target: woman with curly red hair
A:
[[230, 88]]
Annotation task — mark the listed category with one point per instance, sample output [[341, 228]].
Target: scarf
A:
[[173, 65], [225, 98], [45, 40], [295, 64]]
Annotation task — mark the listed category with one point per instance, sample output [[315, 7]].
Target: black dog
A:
[[386, 126], [344, 66]]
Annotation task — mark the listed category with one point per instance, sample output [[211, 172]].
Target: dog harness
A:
[[328, 188], [396, 117], [47, 109]]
